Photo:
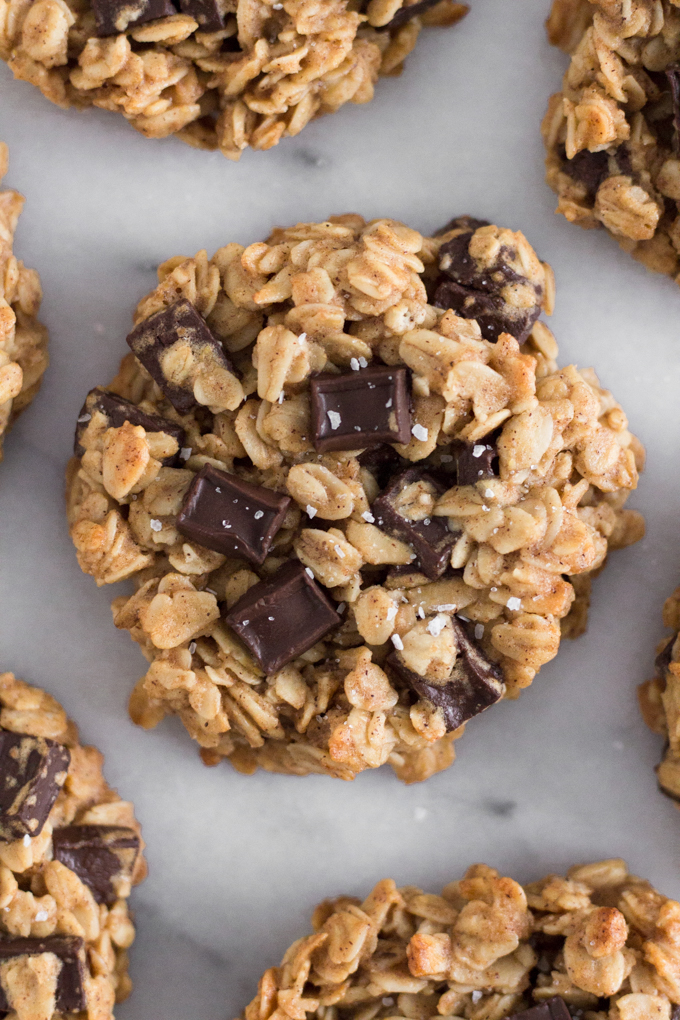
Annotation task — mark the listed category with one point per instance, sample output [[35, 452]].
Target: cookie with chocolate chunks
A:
[[399, 511], [360, 408], [474, 685], [84, 834], [102, 856], [280, 618], [32, 772], [223, 512], [117, 411], [114, 16]]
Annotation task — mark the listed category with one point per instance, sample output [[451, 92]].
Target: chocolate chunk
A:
[[231, 516], [673, 75], [588, 168], [382, 461], [475, 683], [118, 410], [32, 772], [210, 14], [467, 223], [151, 339], [550, 1009], [360, 408], [477, 294], [664, 658], [70, 950], [410, 11], [280, 618], [429, 537], [114, 16], [102, 856], [475, 461]]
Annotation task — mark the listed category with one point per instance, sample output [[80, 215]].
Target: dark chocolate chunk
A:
[[280, 618], [588, 168], [360, 408], [32, 772], [664, 658], [102, 856], [475, 684], [549, 1009], [475, 294], [673, 75], [408, 12], [118, 410], [475, 461], [467, 223], [70, 950], [429, 538], [382, 461], [210, 14], [114, 16], [150, 340], [231, 516]]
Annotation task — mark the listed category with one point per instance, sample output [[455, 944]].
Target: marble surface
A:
[[565, 774]]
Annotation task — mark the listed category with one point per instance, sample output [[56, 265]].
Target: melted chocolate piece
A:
[[475, 461], [32, 772], [280, 618], [430, 538], [475, 294], [361, 408], [150, 340], [550, 1009], [210, 14], [475, 683], [382, 461], [664, 659], [231, 516], [70, 950], [118, 410], [102, 856], [588, 168], [114, 16], [468, 223]]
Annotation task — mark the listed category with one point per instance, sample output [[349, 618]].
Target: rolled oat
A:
[[308, 608]]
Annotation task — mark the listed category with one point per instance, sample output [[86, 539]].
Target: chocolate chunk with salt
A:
[[280, 618], [361, 408], [102, 856], [114, 16], [118, 410], [225, 513], [69, 950], [210, 14], [475, 293], [475, 461], [32, 772], [475, 683], [550, 1009], [429, 537], [179, 324]]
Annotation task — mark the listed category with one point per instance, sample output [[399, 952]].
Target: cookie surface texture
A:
[[658, 698], [598, 941], [70, 852], [307, 607], [612, 133], [219, 74], [23, 340]]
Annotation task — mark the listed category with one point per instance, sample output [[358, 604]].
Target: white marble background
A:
[[563, 776]]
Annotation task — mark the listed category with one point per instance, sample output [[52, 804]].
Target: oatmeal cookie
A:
[[70, 852], [611, 134], [660, 700], [220, 74], [23, 340], [351, 485], [599, 942]]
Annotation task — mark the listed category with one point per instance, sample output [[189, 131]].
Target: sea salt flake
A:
[[311, 512], [42, 915], [339, 551], [479, 631], [420, 432], [271, 618], [368, 516], [340, 608], [476, 996], [155, 525], [84, 418], [421, 612], [309, 572], [225, 525], [354, 364], [335, 419], [436, 626], [397, 642], [259, 514], [185, 452], [363, 362], [192, 648], [477, 451], [489, 493], [26, 840], [446, 607], [389, 403], [514, 603]]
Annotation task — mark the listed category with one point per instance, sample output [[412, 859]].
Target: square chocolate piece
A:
[[550, 1009], [280, 618], [222, 512], [69, 950], [475, 684], [210, 14], [118, 410], [102, 856], [151, 339], [32, 772], [359, 409], [429, 537], [115, 16], [475, 461]]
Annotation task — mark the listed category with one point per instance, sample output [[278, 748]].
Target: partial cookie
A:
[[660, 698], [220, 74], [611, 134], [351, 485], [599, 943], [70, 852], [23, 340]]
